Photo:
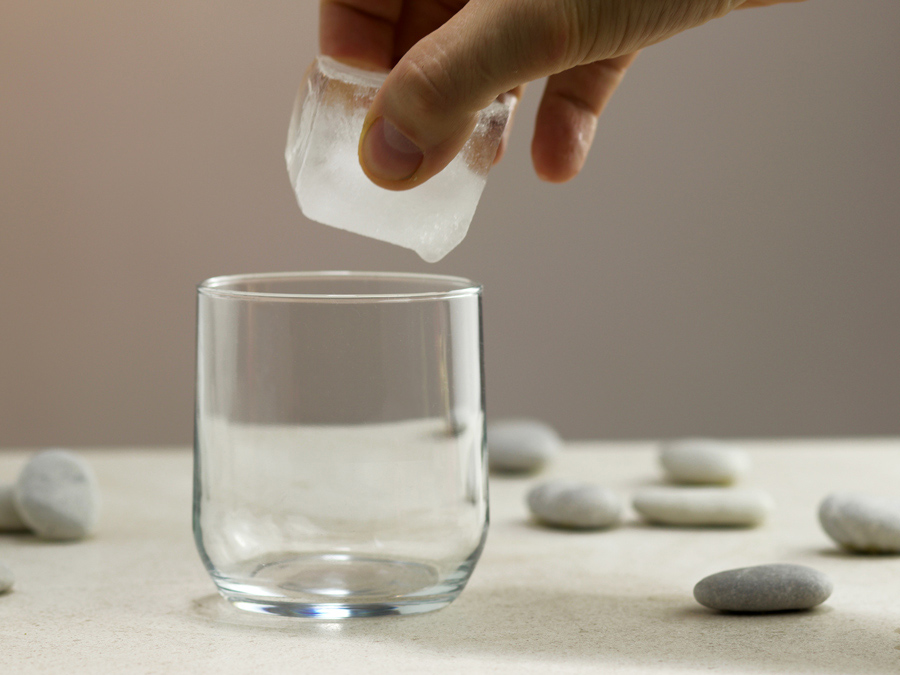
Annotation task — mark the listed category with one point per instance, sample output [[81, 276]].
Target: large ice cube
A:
[[331, 188]]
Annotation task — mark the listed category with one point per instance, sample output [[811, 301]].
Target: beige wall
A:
[[727, 264]]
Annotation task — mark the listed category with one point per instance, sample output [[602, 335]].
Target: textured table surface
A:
[[135, 598]]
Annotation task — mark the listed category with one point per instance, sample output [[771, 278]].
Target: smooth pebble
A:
[[57, 495], [702, 461], [764, 588], [703, 506], [575, 505], [10, 520], [6, 578], [862, 523], [520, 446]]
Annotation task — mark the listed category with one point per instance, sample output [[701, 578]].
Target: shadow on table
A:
[[529, 624], [837, 552]]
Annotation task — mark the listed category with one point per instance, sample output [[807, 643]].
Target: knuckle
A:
[[557, 34], [577, 31], [428, 89]]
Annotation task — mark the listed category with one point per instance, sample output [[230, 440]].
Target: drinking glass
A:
[[339, 441]]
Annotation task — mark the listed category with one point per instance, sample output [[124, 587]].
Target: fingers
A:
[[567, 117], [427, 107], [359, 32]]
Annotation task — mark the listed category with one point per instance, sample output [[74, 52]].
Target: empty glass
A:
[[339, 441]]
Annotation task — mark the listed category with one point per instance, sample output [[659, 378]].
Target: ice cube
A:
[[331, 188]]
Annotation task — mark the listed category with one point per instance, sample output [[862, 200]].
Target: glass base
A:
[[338, 586]]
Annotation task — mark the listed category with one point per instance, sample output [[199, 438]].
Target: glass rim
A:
[[455, 286]]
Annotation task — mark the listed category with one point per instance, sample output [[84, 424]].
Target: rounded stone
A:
[[520, 446], [575, 505], [862, 523], [719, 507], [702, 461], [57, 495], [6, 578], [10, 520], [764, 588]]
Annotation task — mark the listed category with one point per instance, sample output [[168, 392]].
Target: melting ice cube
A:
[[321, 155]]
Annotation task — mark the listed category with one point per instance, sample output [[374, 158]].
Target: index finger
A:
[[359, 32]]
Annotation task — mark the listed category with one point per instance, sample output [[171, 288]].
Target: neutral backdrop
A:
[[726, 265]]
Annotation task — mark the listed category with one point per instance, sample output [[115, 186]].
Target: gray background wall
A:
[[726, 264]]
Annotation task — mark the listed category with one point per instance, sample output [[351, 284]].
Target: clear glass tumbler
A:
[[339, 441]]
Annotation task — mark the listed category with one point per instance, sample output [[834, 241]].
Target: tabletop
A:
[[134, 598]]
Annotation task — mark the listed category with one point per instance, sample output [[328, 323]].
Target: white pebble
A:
[[704, 506], [57, 495], [10, 520], [702, 461], [6, 578], [862, 523], [520, 446], [575, 505]]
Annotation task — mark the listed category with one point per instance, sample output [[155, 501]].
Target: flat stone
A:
[[6, 578], [702, 461], [575, 505], [57, 495], [862, 523], [520, 446], [10, 520], [703, 506], [764, 588]]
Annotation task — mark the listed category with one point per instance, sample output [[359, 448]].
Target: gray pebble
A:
[[6, 578], [10, 520], [702, 461], [703, 506], [862, 523], [520, 446], [57, 495], [575, 505], [764, 588]]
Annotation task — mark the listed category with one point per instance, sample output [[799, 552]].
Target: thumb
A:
[[426, 109]]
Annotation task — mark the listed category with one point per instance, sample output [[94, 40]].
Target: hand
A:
[[450, 58]]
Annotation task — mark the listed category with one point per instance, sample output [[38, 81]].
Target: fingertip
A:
[[387, 155], [507, 130], [392, 160], [501, 150], [562, 138], [567, 117], [504, 138], [554, 175]]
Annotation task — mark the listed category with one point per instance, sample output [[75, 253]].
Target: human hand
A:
[[450, 58]]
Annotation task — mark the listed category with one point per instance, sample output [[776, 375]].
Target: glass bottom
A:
[[338, 586]]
